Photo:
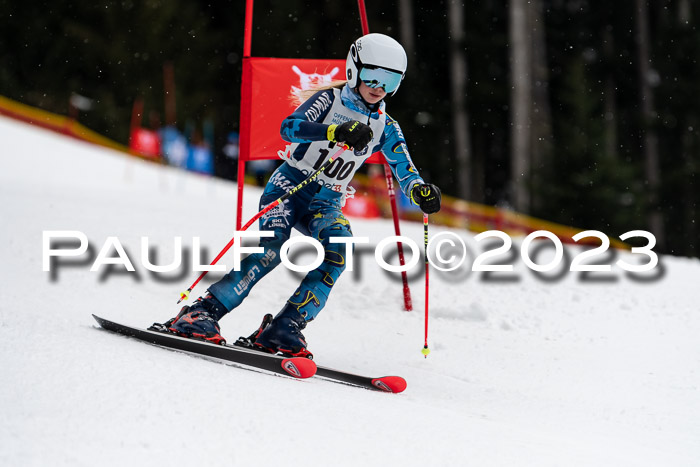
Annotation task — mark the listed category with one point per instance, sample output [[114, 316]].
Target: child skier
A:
[[354, 114]]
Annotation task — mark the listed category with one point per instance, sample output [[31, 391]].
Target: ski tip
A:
[[299, 367], [393, 384]]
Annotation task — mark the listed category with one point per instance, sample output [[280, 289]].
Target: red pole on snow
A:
[[246, 89], [407, 302]]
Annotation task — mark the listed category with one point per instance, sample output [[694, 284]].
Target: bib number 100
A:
[[339, 169]]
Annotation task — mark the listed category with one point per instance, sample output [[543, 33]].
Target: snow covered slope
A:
[[568, 370]]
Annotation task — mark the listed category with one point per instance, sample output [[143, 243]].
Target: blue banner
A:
[[174, 146], [201, 159]]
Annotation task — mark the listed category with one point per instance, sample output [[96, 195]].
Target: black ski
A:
[[385, 383], [297, 367]]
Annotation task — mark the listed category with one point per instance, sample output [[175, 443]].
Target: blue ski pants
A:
[[314, 211]]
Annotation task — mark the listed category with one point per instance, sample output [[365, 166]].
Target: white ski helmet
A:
[[379, 59]]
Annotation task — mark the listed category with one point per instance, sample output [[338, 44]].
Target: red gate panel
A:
[[268, 87]]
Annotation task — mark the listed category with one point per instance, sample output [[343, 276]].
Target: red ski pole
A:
[[186, 294], [426, 350]]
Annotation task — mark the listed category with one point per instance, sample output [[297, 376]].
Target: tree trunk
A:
[[541, 114], [520, 104], [689, 154], [684, 15], [407, 32], [609, 106], [690, 206], [649, 137], [458, 89]]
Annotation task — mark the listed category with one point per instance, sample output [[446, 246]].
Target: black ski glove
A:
[[355, 134], [427, 196]]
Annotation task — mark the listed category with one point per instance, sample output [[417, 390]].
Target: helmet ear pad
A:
[[352, 66]]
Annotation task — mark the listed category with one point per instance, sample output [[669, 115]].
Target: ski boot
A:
[[200, 320], [283, 334]]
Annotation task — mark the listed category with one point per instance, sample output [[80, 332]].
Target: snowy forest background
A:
[[582, 112]]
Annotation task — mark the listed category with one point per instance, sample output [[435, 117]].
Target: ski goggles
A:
[[375, 77]]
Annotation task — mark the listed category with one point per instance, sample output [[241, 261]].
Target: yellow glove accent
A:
[[413, 200], [330, 133]]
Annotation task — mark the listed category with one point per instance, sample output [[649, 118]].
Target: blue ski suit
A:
[[316, 210]]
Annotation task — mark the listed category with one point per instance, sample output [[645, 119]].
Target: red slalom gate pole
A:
[[186, 294], [407, 302], [426, 350], [363, 17]]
